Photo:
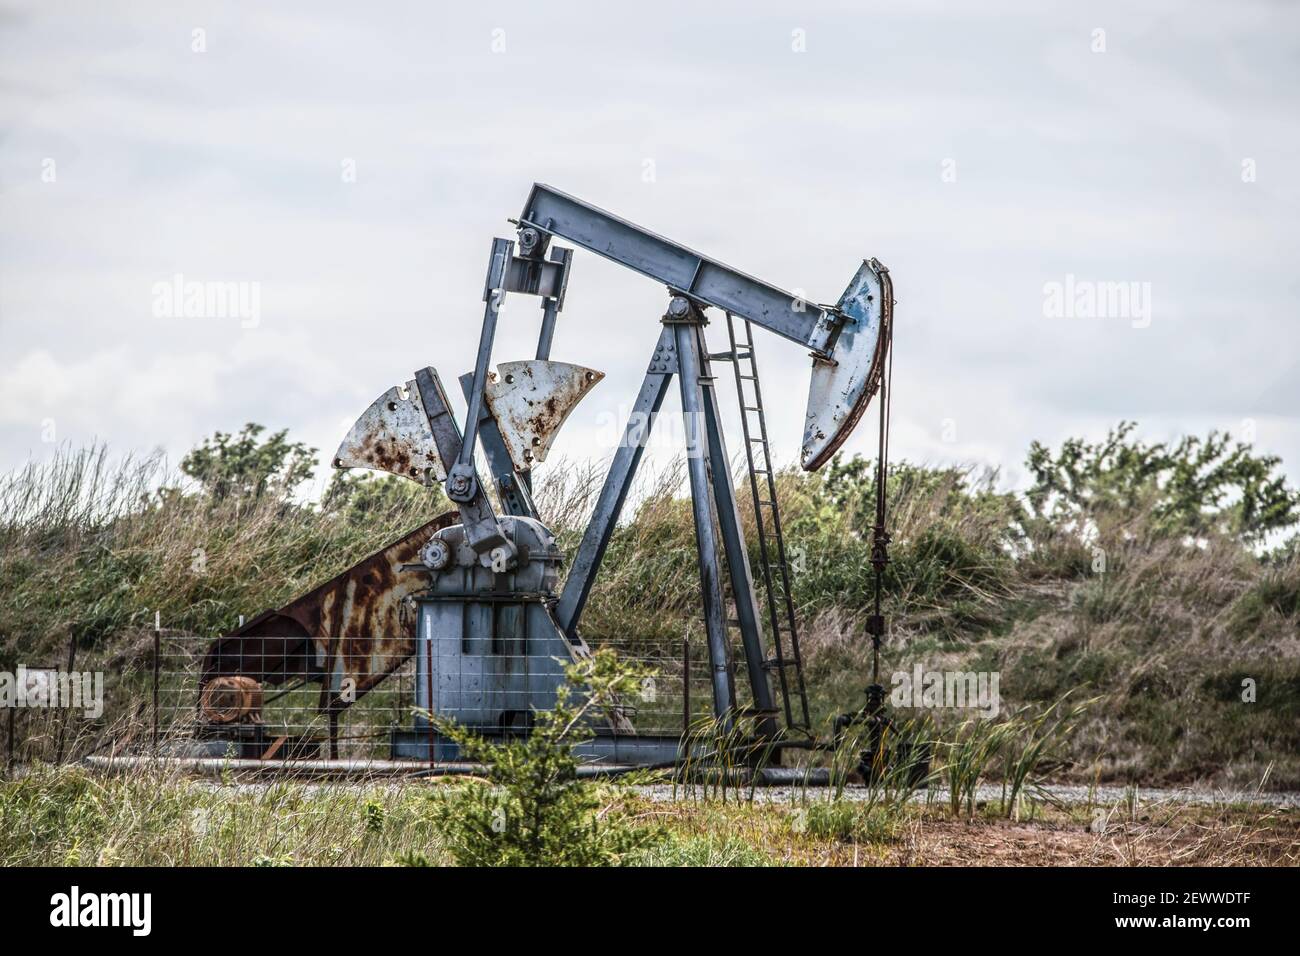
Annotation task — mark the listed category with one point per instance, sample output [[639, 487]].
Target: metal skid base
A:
[[639, 750]]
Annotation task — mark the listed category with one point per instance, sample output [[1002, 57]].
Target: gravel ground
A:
[[1104, 795], [1063, 793]]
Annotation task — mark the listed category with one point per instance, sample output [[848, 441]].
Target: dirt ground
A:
[[1117, 835], [1182, 843]]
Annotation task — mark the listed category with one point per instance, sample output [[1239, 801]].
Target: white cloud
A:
[[226, 166]]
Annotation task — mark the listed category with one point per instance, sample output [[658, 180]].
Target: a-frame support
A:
[[681, 351]]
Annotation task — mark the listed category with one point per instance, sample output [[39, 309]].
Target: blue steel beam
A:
[[705, 280], [690, 369], [461, 479]]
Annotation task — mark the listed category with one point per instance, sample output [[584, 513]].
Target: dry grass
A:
[[90, 551], [67, 816]]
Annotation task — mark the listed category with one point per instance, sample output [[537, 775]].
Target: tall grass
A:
[[67, 816], [1167, 635], [974, 746], [94, 548], [1033, 739]]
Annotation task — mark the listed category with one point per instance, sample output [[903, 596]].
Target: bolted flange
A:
[[461, 485], [435, 555]]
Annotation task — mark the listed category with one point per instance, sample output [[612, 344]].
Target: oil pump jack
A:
[[474, 595]]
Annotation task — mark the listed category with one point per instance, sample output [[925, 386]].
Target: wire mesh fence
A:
[[158, 699]]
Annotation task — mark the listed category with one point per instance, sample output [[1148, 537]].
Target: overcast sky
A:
[[354, 161]]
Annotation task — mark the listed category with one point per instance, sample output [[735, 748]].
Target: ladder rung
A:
[[776, 571]]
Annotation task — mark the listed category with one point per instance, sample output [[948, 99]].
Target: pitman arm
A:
[[481, 526]]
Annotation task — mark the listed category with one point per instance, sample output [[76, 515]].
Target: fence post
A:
[[11, 758], [157, 665], [428, 644], [686, 687], [63, 711]]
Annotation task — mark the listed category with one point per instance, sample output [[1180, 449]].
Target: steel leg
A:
[[733, 539], [697, 463]]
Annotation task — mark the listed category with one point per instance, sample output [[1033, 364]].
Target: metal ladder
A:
[[771, 541]]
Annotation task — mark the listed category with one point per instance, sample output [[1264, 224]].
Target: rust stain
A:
[[393, 435], [353, 625], [531, 400], [395, 457]]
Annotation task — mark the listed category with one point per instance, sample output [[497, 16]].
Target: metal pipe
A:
[[548, 328], [220, 766]]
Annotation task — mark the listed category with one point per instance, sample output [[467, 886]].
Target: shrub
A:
[[534, 810]]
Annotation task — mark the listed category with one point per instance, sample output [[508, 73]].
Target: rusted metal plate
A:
[[354, 626], [843, 385], [530, 401], [393, 435]]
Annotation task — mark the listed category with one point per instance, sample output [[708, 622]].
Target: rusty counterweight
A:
[[351, 627]]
